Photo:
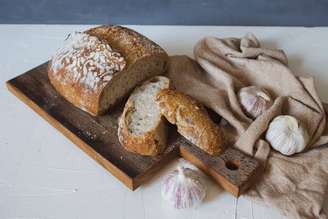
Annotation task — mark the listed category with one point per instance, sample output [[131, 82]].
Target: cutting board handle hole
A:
[[232, 164]]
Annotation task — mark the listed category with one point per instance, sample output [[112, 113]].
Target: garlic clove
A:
[[183, 188], [254, 100], [287, 135]]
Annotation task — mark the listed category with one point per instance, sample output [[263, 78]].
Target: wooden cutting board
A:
[[97, 136]]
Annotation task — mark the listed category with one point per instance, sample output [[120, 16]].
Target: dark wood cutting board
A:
[[97, 136]]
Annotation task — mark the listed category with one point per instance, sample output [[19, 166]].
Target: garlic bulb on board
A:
[[286, 135], [183, 188], [254, 100]]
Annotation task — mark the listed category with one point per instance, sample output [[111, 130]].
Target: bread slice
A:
[[192, 120], [98, 67], [142, 129]]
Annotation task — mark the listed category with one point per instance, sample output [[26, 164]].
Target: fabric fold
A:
[[296, 185]]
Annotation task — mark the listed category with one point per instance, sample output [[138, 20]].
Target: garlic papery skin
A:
[[287, 135], [183, 188], [254, 100]]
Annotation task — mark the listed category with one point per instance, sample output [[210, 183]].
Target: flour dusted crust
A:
[[192, 120], [96, 68], [89, 61]]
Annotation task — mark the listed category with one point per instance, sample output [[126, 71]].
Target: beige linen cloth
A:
[[296, 184]]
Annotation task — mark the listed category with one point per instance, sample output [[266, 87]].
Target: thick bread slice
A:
[[192, 120], [142, 129], [100, 66]]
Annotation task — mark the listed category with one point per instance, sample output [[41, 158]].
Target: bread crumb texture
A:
[[145, 114]]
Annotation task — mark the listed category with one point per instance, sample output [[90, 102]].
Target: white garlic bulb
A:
[[286, 135], [254, 100], [183, 188]]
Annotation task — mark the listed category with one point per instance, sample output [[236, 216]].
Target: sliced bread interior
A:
[[142, 129], [124, 82]]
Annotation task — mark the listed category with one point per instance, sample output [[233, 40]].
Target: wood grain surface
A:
[[233, 170], [97, 136]]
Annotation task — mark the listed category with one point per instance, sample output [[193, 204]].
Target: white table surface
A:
[[43, 175]]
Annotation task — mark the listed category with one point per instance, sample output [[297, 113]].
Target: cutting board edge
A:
[[224, 183], [130, 181], [117, 173]]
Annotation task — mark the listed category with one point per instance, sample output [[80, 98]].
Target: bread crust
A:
[[131, 44], [133, 47], [150, 143], [192, 120]]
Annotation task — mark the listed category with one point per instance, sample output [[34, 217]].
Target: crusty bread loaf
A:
[[98, 67], [142, 129], [192, 120]]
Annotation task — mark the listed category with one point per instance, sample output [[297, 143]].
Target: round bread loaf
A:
[[96, 68]]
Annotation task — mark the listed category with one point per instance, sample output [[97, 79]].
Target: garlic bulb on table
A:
[[183, 188], [254, 100], [286, 135]]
